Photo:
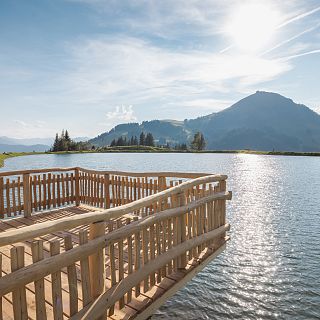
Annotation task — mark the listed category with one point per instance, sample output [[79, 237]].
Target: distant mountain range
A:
[[29, 145], [262, 121]]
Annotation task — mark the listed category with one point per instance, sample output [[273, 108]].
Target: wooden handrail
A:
[[50, 265], [98, 307], [189, 175], [39, 229]]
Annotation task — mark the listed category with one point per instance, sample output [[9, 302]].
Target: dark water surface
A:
[[271, 268]]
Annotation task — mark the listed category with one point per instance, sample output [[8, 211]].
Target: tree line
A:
[[144, 140], [65, 143]]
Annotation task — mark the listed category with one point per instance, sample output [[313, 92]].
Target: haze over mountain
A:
[[261, 121], [8, 144]]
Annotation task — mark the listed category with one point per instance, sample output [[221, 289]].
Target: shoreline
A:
[[8, 155]]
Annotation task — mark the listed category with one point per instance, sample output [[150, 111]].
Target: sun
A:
[[251, 25]]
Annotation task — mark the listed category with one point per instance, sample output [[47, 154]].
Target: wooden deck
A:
[[145, 304], [86, 262]]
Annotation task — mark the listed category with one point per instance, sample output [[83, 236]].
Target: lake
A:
[[271, 268]]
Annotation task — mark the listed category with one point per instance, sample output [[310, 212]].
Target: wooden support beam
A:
[[97, 260]]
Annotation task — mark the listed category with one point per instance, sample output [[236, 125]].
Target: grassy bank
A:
[[4, 156]]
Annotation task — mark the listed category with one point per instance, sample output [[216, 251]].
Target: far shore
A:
[[8, 155]]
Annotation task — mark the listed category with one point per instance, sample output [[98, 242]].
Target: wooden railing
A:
[[25, 192], [154, 224]]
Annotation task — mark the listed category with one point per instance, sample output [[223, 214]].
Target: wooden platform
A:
[[143, 305]]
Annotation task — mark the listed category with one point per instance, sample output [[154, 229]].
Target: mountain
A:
[[261, 121], [163, 131], [23, 148]]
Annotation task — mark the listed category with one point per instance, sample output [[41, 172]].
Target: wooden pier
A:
[[84, 244]]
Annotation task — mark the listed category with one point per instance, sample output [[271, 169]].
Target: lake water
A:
[[271, 268]]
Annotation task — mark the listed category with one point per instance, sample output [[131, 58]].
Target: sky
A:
[[87, 65]]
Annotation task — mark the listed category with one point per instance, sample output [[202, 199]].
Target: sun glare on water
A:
[[251, 26]]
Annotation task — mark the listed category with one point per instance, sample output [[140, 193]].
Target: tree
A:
[[135, 141], [67, 137], [132, 141], [55, 146], [142, 139], [198, 142], [149, 140], [113, 143]]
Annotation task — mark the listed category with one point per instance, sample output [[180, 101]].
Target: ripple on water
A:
[[270, 269]]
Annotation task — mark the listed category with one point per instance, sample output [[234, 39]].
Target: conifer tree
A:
[[149, 140], [142, 139]]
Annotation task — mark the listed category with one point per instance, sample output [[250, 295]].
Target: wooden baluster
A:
[[56, 284], [1, 198], [112, 266], [97, 261], [106, 191], [72, 279], [1, 318], [19, 196], [145, 260], [37, 255], [63, 199], [72, 197], [182, 261], [33, 182], [45, 196], [49, 190], [54, 190], [120, 263], [137, 257], [130, 261], [8, 198], [26, 195], [85, 271], [77, 187], [67, 182], [58, 190], [13, 193], [19, 300], [39, 192]]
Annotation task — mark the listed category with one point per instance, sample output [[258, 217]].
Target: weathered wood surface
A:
[[131, 241]]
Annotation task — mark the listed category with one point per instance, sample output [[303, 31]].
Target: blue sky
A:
[[86, 65]]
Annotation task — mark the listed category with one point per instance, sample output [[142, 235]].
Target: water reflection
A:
[[271, 266]]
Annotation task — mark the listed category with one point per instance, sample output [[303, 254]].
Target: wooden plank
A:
[[77, 187], [19, 294], [1, 198], [37, 255], [56, 284], [96, 261], [130, 261], [120, 263], [112, 267], [72, 279], [13, 195], [85, 271], [8, 198], [1, 317]]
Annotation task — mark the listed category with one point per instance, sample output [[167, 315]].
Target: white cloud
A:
[[112, 70], [122, 113]]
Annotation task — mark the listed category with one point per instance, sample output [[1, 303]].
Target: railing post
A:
[[27, 195], [182, 261], [1, 199], [97, 261], [162, 183], [106, 191], [77, 187]]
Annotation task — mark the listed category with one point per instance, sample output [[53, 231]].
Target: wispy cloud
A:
[[299, 17]]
